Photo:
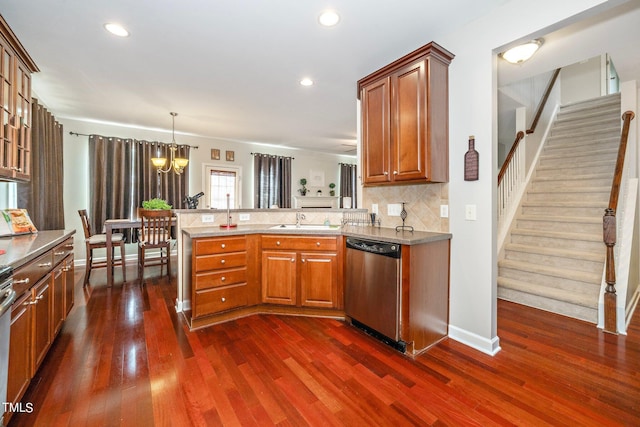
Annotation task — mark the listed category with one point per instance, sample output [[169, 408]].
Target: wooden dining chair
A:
[[155, 233], [98, 241]]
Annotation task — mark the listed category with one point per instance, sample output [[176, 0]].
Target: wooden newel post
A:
[[609, 238]]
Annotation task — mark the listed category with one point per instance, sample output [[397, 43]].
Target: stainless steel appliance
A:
[[7, 296], [372, 288]]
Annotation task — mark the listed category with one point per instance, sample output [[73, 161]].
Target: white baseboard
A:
[[490, 347]]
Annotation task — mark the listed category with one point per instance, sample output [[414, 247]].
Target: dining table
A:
[[119, 224]]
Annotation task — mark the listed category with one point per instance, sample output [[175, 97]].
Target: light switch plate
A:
[[470, 213], [244, 217], [394, 209], [444, 211], [207, 218]]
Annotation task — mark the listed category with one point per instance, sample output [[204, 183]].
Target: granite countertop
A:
[[23, 248], [374, 233]]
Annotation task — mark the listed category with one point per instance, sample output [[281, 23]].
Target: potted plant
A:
[[303, 190], [332, 192], [157, 204]]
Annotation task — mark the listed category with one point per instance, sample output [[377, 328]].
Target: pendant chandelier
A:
[[176, 163]]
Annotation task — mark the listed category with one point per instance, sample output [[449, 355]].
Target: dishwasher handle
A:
[[391, 250]]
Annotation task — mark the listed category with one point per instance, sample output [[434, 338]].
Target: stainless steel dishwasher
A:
[[372, 288], [7, 296]]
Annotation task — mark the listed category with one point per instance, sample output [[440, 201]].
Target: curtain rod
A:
[[195, 147], [272, 155]]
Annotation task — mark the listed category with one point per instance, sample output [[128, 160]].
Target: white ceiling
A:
[[229, 68]]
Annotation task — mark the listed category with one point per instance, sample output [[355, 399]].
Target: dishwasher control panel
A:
[[392, 250]]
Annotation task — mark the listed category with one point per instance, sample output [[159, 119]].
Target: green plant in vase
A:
[[158, 204], [303, 190], [332, 192]]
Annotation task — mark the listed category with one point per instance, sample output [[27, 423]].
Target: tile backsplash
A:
[[422, 203]]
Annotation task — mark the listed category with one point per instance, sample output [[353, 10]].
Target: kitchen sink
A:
[[305, 227]]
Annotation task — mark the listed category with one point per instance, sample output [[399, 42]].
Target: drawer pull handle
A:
[[21, 282], [317, 243], [68, 246], [223, 246], [222, 279], [278, 243], [223, 299], [222, 261], [45, 264], [59, 253]]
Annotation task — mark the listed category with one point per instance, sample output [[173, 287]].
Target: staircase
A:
[[553, 258]]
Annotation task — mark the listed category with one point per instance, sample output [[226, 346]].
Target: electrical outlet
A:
[[207, 218], [444, 211], [374, 208], [244, 217], [394, 209], [470, 213]]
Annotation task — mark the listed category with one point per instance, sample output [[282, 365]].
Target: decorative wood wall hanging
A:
[[471, 161]]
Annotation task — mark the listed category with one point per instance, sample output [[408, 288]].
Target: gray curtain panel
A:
[[272, 181], [349, 183], [42, 196]]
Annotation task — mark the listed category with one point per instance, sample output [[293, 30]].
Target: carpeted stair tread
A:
[[562, 273], [574, 219], [560, 235], [566, 253], [583, 299]]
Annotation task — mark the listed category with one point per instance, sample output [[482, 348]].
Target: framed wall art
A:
[[230, 156], [215, 154]]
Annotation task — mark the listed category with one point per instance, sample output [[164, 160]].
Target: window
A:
[[220, 181]]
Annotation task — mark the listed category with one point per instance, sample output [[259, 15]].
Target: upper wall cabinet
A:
[[16, 67], [405, 120]]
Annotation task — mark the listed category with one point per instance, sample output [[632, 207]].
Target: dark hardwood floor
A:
[[125, 357]]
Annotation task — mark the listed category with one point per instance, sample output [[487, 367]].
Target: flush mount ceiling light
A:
[[522, 52], [116, 29], [329, 18], [306, 82], [176, 163]]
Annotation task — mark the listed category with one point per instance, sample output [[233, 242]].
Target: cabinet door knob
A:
[[222, 279], [303, 260], [223, 246], [293, 260], [222, 261], [395, 172], [317, 243], [223, 299], [386, 173]]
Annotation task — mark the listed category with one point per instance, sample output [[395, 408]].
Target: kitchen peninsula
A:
[[265, 267]]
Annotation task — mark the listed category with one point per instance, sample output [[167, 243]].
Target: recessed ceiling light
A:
[[116, 29], [522, 52], [329, 18], [306, 82]]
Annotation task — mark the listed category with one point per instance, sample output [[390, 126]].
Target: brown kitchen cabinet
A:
[[301, 270], [16, 67], [43, 286], [222, 278], [404, 114]]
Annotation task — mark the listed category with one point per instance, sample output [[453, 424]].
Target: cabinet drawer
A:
[[219, 245], [317, 243], [215, 262], [215, 300], [29, 274], [220, 278], [62, 250]]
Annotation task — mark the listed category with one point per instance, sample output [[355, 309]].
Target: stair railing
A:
[[511, 177], [609, 230]]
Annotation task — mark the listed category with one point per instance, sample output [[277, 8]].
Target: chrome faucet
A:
[[299, 217]]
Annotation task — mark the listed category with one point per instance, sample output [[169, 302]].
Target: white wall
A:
[[581, 81], [473, 111]]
